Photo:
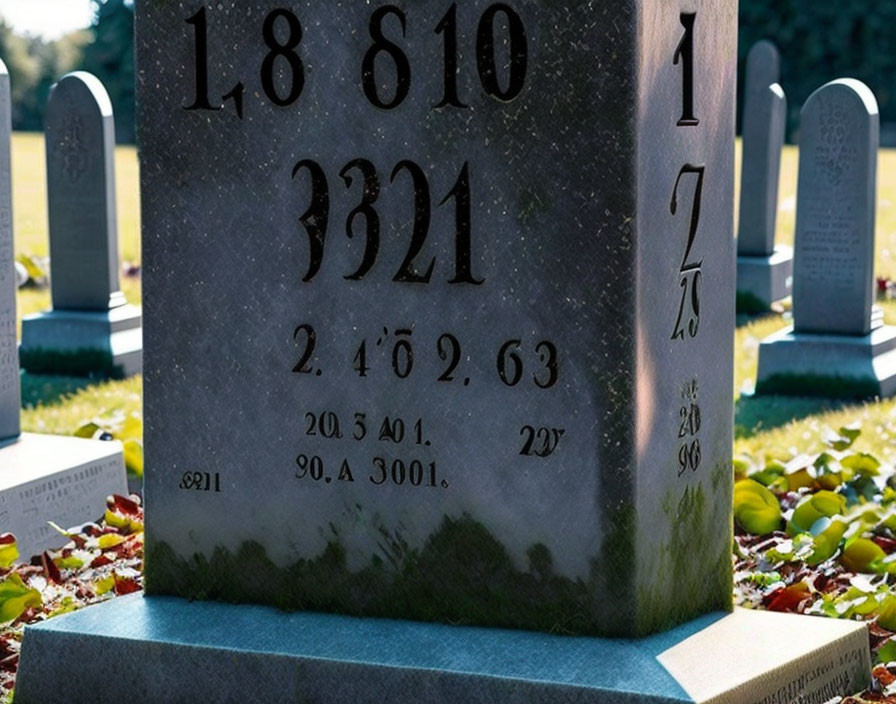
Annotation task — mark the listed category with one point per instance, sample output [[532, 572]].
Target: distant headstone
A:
[[834, 273], [440, 330], [42, 477], [10, 396], [764, 272], [91, 328], [836, 345]]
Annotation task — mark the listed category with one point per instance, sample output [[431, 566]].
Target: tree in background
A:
[[110, 57], [823, 40]]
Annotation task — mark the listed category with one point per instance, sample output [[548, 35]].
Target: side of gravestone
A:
[[9, 355], [91, 329], [432, 308], [836, 346], [42, 478], [764, 271]]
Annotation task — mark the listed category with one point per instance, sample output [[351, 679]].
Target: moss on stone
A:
[[462, 575], [823, 385]]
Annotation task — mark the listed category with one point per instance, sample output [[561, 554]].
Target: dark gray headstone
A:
[[834, 242], [764, 121], [437, 339], [10, 398], [80, 135]]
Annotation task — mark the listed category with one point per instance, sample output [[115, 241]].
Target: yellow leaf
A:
[[756, 509], [104, 585], [16, 597], [110, 540], [9, 553]]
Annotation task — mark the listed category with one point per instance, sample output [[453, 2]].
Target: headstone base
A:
[[83, 343], [55, 478], [168, 649], [762, 281], [836, 366]]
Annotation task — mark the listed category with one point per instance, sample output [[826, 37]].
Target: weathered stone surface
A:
[[834, 242], [10, 396], [92, 330], [764, 120], [491, 386], [55, 478], [226, 653]]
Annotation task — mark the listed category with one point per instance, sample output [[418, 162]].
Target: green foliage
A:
[[823, 40], [756, 509]]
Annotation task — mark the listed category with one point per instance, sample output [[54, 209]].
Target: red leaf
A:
[[101, 561], [124, 506], [788, 598], [50, 568], [125, 585]]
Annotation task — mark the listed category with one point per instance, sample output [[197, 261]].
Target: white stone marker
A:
[[42, 477], [91, 329], [764, 271], [836, 347], [9, 355]]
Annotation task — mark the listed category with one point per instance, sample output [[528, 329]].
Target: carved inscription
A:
[[9, 358]]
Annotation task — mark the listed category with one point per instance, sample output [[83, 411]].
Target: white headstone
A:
[[10, 395]]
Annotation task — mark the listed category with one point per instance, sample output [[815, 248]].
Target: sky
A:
[[47, 18]]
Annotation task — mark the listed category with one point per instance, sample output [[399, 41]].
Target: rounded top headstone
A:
[[845, 90], [80, 85], [763, 64], [834, 241]]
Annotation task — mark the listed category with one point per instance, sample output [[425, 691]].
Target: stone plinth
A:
[[851, 366], [171, 650], [83, 342], [763, 280], [55, 478]]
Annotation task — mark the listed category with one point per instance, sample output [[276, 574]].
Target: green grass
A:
[[774, 425]]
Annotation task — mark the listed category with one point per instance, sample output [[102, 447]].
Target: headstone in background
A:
[[836, 346], [42, 477], [91, 329], [10, 394], [441, 329], [764, 271]]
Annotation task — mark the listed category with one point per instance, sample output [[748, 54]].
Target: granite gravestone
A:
[[467, 337], [42, 478], [837, 345], [439, 327], [91, 329], [10, 396], [764, 271]]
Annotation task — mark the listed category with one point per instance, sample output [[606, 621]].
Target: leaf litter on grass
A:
[[100, 561], [816, 534]]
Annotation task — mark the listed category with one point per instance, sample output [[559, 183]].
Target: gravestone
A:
[[42, 477], [764, 271], [10, 396], [91, 329], [838, 345], [439, 328]]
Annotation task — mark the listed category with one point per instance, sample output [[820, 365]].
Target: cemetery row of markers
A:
[[500, 401]]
